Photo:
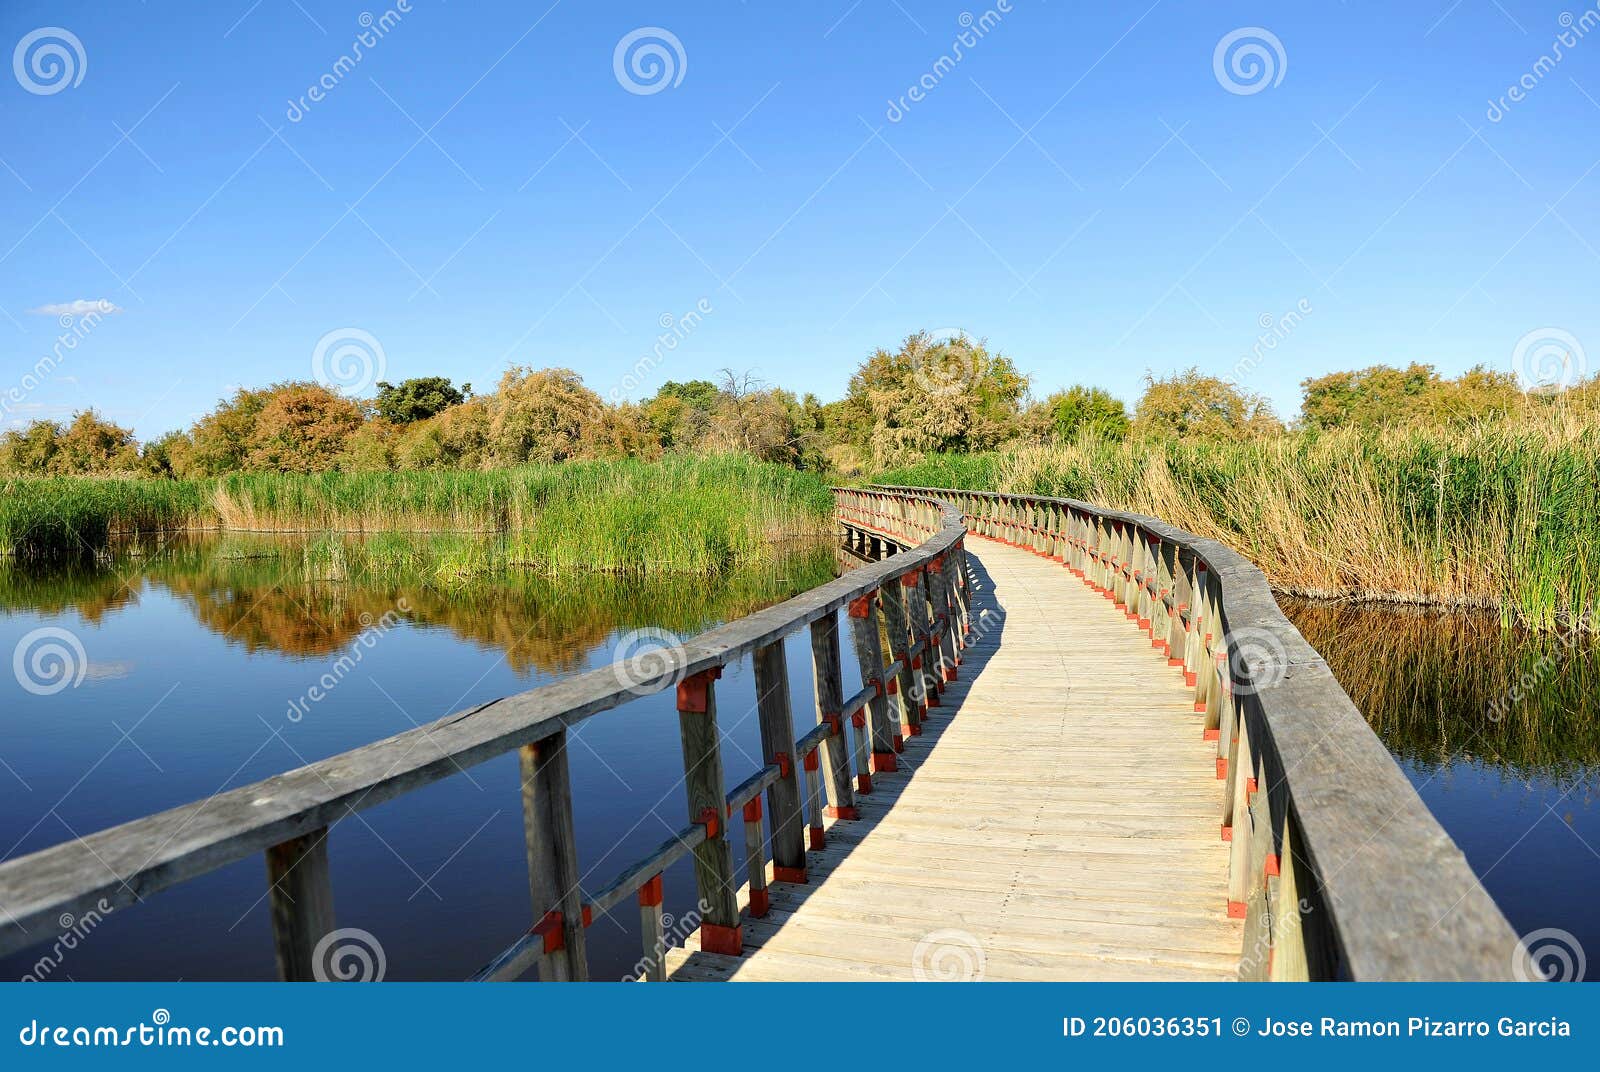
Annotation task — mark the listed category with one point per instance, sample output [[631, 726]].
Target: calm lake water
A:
[[198, 656], [195, 654]]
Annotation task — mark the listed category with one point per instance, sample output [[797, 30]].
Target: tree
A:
[[934, 395], [418, 399], [540, 416], [222, 438], [1080, 410], [92, 444], [1365, 397], [30, 450], [1381, 396], [1188, 405], [754, 419], [302, 428], [680, 413]]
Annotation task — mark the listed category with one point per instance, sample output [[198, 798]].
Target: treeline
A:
[[931, 396]]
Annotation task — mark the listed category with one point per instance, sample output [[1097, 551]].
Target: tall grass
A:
[[1497, 517], [690, 515], [56, 516]]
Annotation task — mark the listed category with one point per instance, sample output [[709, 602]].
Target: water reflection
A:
[[312, 597], [1439, 688]]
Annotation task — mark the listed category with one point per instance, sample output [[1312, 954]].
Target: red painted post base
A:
[[818, 838], [760, 902], [882, 761], [952, 674], [913, 731], [715, 938], [1222, 767], [1235, 909], [1200, 707], [840, 813], [1212, 734], [1144, 624], [1191, 680], [1174, 663], [863, 784], [1227, 833], [789, 874], [899, 744]]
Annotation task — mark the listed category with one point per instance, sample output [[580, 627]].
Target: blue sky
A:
[[1081, 188]]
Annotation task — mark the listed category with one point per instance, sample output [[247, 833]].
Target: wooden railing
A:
[[1336, 866], [917, 596]]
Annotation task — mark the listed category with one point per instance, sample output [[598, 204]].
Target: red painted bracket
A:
[[784, 767], [650, 892], [549, 928], [835, 724], [809, 760], [711, 821], [818, 838], [861, 607], [752, 809], [1272, 863], [727, 941], [694, 690]]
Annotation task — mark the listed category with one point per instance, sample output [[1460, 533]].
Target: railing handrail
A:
[[283, 814], [1402, 901]]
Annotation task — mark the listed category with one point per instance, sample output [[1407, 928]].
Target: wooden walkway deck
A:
[[1057, 818]]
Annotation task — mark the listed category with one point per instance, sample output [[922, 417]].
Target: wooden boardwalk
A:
[[1057, 818]]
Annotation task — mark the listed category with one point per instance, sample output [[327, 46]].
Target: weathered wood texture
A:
[[1056, 819]]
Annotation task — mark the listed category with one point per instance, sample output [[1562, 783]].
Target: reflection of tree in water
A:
[[1443, 686], [312, 598]]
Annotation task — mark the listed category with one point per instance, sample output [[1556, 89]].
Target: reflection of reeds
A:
[[1438, 686], [313, 597], [1500, 517], [682, 514]]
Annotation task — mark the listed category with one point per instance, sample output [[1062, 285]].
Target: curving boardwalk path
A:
[[1057, 819]]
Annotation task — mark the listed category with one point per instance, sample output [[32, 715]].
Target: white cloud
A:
[[80, 307]]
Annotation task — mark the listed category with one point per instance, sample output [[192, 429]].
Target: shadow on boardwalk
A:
[[987, 618]]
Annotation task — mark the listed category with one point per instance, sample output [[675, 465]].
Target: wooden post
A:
[[300, 897], [869, 654], [702, 781], [755, 858], [553, 858], [811, 763], [653, 932], [898, 630], [829, 679], [777, 746]]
